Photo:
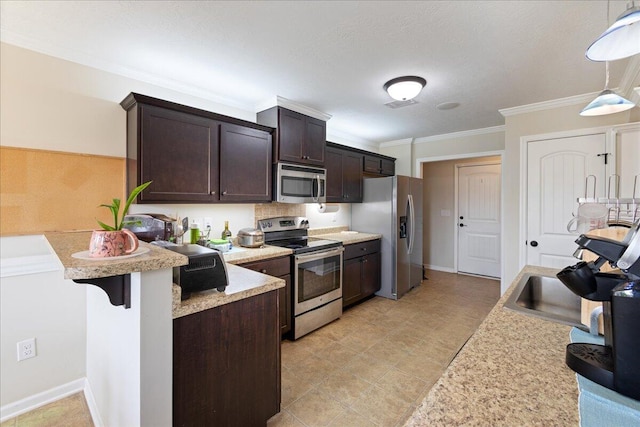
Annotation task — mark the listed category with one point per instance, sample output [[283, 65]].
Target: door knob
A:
[[534, 243], [461, 217], [462, 225]]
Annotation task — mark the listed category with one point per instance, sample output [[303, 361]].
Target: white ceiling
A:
[[334, 56]]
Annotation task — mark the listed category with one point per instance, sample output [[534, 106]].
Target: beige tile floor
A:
[[372, 367], [68, 412]]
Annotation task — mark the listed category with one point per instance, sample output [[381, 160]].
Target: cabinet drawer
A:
[[359, 249], [273, 267]]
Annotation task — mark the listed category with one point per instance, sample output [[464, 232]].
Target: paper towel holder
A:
[[324, 208]]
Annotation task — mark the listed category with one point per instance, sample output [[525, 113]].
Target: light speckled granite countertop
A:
[[511, 372], [243, 283], [65, 244]]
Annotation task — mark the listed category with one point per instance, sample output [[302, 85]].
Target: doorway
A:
[[440, 219]]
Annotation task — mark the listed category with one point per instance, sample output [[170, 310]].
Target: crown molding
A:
[[292, 105], [547, 105], [340, 137], [396, 143], [461, 134]]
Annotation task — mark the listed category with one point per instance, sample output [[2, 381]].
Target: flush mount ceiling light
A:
[[621, 40], [405, 88], [608, 102]]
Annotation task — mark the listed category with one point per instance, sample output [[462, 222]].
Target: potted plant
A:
[[114, 240]]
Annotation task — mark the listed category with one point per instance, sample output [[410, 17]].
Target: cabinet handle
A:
[[224, 193], [363, 249], [263, 271], [213, 193]]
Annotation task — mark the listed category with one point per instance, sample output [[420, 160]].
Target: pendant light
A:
[[404, 88], [608, 102], [621, 40]]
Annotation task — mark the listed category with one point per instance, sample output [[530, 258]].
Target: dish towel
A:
[[598, 405]]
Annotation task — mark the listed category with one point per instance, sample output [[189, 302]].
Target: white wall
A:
[[43, 306]]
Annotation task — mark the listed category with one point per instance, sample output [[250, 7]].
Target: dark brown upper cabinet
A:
[[344, 175], [245, 164], [378, 165], [195, 156], [298, 138]]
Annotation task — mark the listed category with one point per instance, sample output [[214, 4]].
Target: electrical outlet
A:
[[208, 222], [27, 349]]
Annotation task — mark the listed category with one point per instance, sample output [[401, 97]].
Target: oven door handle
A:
[[318, 255]]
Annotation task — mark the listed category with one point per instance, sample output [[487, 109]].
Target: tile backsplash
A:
[[271, 210]]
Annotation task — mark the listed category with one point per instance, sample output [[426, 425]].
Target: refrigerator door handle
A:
[[412, 223]]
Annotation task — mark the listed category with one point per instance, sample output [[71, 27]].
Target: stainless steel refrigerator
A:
[[392, 206]]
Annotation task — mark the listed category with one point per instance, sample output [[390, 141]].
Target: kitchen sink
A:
[[546, 297]]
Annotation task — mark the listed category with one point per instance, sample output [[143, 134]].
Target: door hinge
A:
[[606, 156]]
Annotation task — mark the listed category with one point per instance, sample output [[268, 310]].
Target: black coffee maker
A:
[[616, 364]]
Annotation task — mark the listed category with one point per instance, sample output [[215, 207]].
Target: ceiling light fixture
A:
[[608, 102], [405, 88], [622, 38]]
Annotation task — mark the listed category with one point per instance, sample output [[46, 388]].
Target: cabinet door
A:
[[352, 177], [370, 274], [334, 175], [291, 134], [372, 164], [351, 281], [284, 294], [315, 141], [245, 164], [179, 153], [387, 167], [226, 364]]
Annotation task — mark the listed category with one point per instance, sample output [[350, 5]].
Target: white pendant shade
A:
[[608, 102], [621, 40], [405, 88]]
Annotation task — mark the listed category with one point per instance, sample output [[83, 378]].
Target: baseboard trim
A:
[[30, 403], [93, 406], [438, 268], [479, 275]]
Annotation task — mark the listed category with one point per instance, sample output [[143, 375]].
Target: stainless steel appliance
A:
[[616, 364], [300, 184], [317, 272], [151, 226], [392, 206], [206, 270], [250, 238]]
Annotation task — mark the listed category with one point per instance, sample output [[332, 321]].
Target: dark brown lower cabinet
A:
[[361, 271], [226, 364], [280, 268]]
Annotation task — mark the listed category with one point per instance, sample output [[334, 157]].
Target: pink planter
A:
[[112, 243]]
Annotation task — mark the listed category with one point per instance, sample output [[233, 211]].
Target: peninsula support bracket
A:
[[117, 288]]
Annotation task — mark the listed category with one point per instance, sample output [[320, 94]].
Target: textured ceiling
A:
[[335, 56]]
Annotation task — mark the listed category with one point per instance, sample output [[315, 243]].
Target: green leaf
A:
[[105, 226], [114, 207], [139, 189]]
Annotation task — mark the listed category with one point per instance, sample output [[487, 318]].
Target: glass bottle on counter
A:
[[226, 233]]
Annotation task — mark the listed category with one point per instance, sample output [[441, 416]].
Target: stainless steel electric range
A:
[[316, 270]]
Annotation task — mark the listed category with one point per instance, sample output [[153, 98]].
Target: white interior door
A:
[[479, 219], [556, 173]]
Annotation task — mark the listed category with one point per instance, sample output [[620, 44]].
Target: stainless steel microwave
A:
[[300, 184]]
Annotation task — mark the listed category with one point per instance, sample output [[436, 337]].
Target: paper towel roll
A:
[[324, 208]]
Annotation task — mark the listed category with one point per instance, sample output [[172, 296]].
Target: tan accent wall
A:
[[43, 190]]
